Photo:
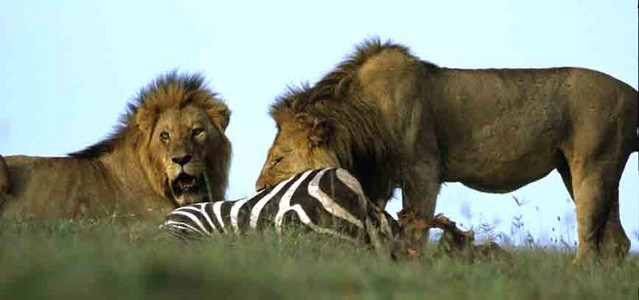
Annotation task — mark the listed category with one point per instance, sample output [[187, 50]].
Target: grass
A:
[[104, 260]]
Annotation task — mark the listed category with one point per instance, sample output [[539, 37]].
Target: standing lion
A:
[[169, 150], [396, 121]]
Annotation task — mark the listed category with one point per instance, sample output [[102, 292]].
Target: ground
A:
[[104, 260]]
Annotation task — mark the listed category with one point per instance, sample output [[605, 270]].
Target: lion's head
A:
[[316, 129], [300, 145], [176, 132]]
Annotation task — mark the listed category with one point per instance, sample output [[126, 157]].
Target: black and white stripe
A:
[[329, 201]]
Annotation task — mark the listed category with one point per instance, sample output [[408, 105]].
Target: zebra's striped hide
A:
[[329, 201]]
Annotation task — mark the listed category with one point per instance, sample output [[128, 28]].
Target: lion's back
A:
[[53, 186]]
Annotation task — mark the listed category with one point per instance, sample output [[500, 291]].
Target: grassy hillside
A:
[[102, 260]]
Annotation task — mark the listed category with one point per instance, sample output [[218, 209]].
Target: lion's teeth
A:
[[186, 183]]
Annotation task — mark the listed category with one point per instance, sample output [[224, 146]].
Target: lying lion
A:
[[169, 150]]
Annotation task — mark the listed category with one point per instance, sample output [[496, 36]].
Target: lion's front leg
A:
[[420, 186]]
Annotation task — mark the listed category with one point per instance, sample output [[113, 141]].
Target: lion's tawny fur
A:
[[396, 121]]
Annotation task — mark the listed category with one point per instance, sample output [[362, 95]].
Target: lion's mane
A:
[[169, 91]]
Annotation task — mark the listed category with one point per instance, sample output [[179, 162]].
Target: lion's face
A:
[[300, 145], [179, 145]]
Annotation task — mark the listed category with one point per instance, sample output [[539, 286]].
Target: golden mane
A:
[[170, 90]]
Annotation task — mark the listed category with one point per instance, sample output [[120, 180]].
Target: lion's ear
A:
[[220, 115], [318, 130], [145, 118]]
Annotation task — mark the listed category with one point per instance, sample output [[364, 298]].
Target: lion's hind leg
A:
[[564, 170], [615, 242], [595, 185]]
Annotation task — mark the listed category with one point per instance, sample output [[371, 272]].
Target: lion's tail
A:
[[636, 147], [4, 178]]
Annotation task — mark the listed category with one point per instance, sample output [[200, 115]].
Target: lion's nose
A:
[[181, 160], [259, 185]]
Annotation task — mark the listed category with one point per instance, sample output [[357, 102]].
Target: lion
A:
[[170, 149], [395, 121]]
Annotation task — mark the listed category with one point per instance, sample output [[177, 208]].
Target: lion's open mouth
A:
[[186, 184]]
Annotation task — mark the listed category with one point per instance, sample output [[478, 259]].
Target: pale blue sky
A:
[[68, 68]]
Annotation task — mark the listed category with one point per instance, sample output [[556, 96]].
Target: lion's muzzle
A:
[[186, 179]]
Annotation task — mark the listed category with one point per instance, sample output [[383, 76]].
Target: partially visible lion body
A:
[[65, 187], [494, 130], [131, 174]]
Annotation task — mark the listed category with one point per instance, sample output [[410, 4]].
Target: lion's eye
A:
[[196, 132], [277, 160], [164, 136]]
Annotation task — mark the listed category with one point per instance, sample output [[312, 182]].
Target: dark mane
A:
[[337, 82], [149, 96], [362, 143]]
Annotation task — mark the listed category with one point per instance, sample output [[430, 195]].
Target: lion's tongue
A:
[[186, 183]]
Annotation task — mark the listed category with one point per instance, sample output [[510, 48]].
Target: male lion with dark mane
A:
[[169, 150], [396, 121]]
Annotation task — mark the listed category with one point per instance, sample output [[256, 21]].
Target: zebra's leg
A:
[[382, 233]]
